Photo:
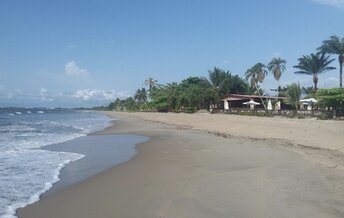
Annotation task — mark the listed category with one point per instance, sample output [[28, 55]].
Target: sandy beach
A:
[[202, 165]]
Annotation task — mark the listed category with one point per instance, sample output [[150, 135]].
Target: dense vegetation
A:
[[197, 93], [192, 93], [333, 98]]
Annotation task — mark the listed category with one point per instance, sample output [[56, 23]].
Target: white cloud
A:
[[99, 95], [335, 3], [72, 69]]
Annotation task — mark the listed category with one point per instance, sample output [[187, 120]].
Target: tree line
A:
[[192, 93], [196, 93]]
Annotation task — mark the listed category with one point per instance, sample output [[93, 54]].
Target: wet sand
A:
[[101, 152], [183, 172]]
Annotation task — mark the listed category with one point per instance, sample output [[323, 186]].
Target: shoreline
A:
[[93, 161], [183, 172], [100, 153]]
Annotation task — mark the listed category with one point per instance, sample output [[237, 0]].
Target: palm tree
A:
[[294, 92], [220, 80], [277, 67], [141, 95], [256, 75], [150, 82], [313, 65], [216, 76], [335, 45], [308, 91]]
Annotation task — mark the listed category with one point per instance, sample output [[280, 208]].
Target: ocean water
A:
[[26, 170]]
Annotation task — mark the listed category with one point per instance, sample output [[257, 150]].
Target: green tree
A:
[[172, 95], [150, 82], [159, 99], [277, 67], [238, 85], [115, 105], [256, 75], [335, 45], [313, 65], [129, 104], [219, 79], [191, 94], [196, 93], [141, 95], [294, 92], [308, 91], [332, 98]]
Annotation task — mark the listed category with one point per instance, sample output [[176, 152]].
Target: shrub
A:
[[331, 98]]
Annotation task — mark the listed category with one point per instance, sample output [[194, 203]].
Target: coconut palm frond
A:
[[314, 64], [335, 45]]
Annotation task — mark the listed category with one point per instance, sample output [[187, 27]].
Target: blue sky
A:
[[84, 53]]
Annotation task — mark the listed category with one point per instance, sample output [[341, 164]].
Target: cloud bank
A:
[[334, 3], [73, 87], [97, 94], [45, 98]]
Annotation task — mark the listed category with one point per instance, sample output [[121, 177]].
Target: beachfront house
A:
[[252, 102]]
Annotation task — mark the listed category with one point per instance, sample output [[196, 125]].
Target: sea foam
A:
[[26, 170]]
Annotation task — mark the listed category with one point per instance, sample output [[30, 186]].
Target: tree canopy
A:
[[333, 98], [256, 74], [192, 93], [313, 65], [335, 45], [277, 67], [150, 82]]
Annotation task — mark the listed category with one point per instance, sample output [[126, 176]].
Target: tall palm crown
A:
[[256, 74], [335, 45], [150, 82], [216, 76], [277, 67], [219, 79], [313, 65]]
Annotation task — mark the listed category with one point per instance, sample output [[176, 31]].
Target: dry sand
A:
[[182, 172], [327, 134], [317, 140]]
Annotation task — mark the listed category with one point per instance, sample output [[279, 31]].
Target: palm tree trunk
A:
[[315, 80], [278, 88], [260, 96], [341, 60]]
